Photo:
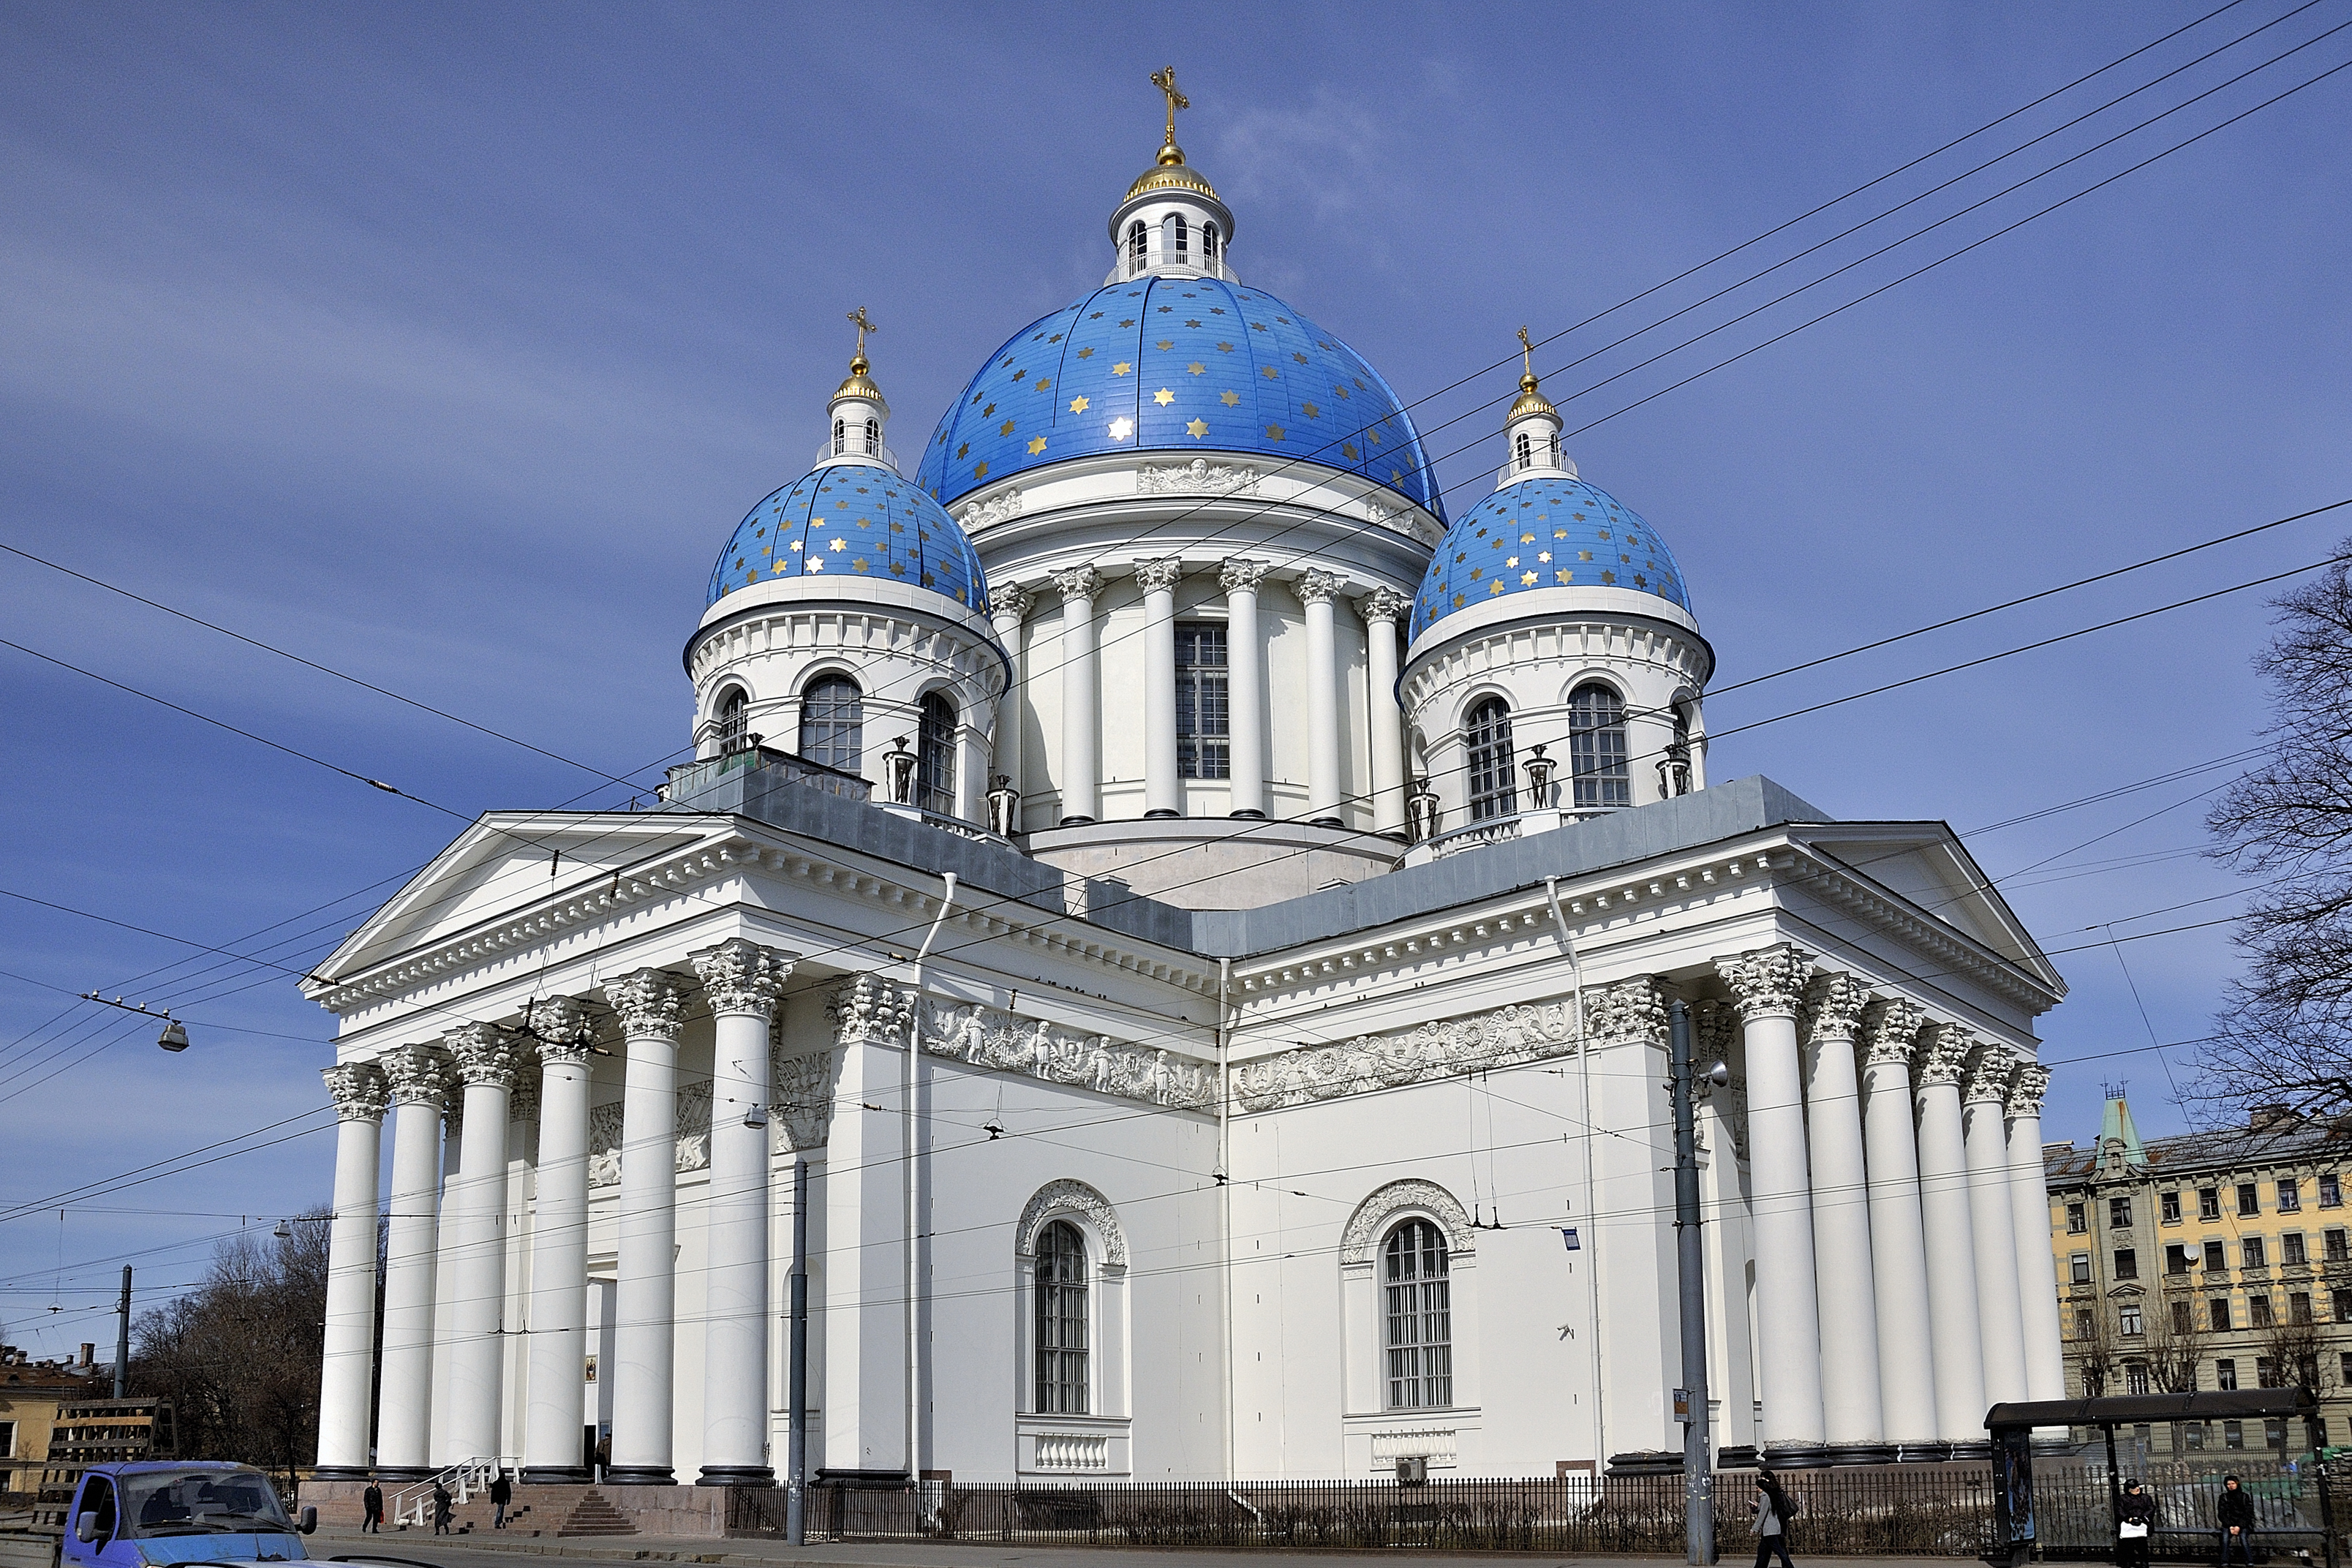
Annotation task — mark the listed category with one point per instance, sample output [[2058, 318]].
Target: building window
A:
[[840, 437], [873, 436], [2084, 1327], [2119, 1213], [2298, 1307], [2249, 1200], [2080, 1268], [2266, 1372], [2168, 1207], [1204, 701], [1527, 450], [2233, 1434], [2183, 1321], [2218, 1308], [2258, 1311], [1596, 761], [1420, 1318], [833, 723], [1061, 1320], [1181, 235], [2344, 1367], [2128, 1316], [2331, 1191], [1138, 249], [1208, 242], [7, 1439], [2215, 1261], [2209, 1203], [2339, 1246], [935, 754], [2289, 1194], [2078, 1219], [2341, 1301], [2136, 1378], [1488, 737], [2126, 1263], [2225, 1375], [2177, 1259], [2195, 1433], [2252, 1253], [734, 720], [2291, 1250]]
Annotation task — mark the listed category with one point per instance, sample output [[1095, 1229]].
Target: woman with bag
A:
[[1773, 1508], [2134, 1519]]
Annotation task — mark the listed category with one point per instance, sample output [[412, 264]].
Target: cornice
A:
[[1952, 951]]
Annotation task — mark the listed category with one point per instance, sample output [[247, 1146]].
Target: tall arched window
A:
[[734, 720], [1487, 737], [1208, 244], [1418, 1299], [1527, 451], [1554, 449], [1597, 764], [833, 723], [1137, 253], [840, 437], [874, 435], [1180, 242], [1061, 1320], [935, 758]]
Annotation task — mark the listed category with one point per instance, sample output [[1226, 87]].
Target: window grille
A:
[[1420, 1318], [935, 755], [1526, 448], [1204, 701], [734, 722], [1596, 761], [1493, 792], [833, 723], [1061, 1320]]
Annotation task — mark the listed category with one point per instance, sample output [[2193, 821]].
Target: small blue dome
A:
[[1552, 532], [1176, 364], [852, 519]]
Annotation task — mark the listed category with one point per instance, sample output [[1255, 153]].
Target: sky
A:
[[444, 346]]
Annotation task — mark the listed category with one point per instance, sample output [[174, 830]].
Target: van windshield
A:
[[200, 1502]]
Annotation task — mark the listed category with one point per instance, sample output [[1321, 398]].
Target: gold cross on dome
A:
[[1527, 354], [1165, 80], [857, 318]]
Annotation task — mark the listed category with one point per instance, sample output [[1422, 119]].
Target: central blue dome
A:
[[1176, 364], [852, 519]]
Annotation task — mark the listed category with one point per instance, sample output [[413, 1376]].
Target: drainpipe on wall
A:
[[907, 1194], [1225, 1190], [1591, 1222]]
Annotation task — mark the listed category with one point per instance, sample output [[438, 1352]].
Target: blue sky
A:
[[446, 345]]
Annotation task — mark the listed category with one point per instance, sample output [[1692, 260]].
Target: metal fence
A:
[[1941, 1510]]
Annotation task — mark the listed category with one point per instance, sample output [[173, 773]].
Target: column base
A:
[[640, 1476], [404, 1472], [1925, 1452], [1248, 815], [736, 1476], [1161, 815], [1741, 1457], [1796, 1456], [1325, 822], [1076, 822], [1972, 1450], [343, 1473], [555, 1475], [1861, 1453]]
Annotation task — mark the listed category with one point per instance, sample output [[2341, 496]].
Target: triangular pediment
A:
[[1926, 865]]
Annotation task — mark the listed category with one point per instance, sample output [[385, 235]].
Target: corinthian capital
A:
[[649, 1003], [1769, 981], [1242, 577], [358, 1089], [867, 1010], [1713, 1023], [1159, 576], [1989, 1075], [486, 1055], [2025, 1094], [739, 976], [1632, 1011], [1833, 1007], [1318, 588], [1943, 1051], [1889, 1027], [561, 1026], [418, 1075], [1383, 605], [1009, 602], [1078, 582]]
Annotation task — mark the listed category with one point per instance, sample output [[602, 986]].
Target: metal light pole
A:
[[122, 1341], [1698, 1469], [796, 1416]]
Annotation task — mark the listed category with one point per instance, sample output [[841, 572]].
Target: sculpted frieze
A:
[[1199, 476], [692, 1131], [983, 1037]]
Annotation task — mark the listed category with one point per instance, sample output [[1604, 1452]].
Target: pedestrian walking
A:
[[1773, 1508], [372, 1506], [441, 1509], [502, 1494], [2135, 1520], [2236, 1516]]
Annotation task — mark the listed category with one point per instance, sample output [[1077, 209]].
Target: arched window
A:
[[1527, 451], [1418, 1307], [1597, 764], [1554, 449], [734, 715], [874, 435], [935, 758], [833, 723], [840, 437], [1061, 1320], [1488, 739], [1137, 248], [1180, 246], [1208, 242]]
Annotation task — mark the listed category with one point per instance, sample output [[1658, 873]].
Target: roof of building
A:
[[850, 520], [1176, 364], [2268, 1139], [1548, 534]]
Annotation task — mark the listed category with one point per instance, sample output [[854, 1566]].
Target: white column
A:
[[1245, 683], [1951, 1243], [2037, 1264], [554, 1410], [488, 1058], [1008, 607], [862, 1286], [742, 983], [1081, 773], [347, 1370], [1766, 985], [1163, 790], [445, 1271], [1316, 591], [1984, 1099], [1384, 609], [405, 1400], [1853, 1411], [1907, 1370], [645, 1293]]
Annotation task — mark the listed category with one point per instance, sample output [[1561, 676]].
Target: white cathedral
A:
[[1206, 918]]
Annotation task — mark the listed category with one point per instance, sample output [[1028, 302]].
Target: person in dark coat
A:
[[441, 1509], [2135, 1521], [502, 1494], [1774, 1510], [372, 1506], [2236, 1516]]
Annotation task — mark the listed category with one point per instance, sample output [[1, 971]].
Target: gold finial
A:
[[1526, 363], [1164, 80], [857, 318], [1530, 400]]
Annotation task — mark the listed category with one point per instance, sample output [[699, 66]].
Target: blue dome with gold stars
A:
[[852, 519], [1176, 364], [1552, 532]]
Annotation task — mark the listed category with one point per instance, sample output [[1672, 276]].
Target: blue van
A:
[[164, 1511]]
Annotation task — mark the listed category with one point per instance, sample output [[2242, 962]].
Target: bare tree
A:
[[2285, 1035], [2171, 1350], [2095, 1358]]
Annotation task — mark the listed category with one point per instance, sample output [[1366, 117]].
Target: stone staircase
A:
[[593, 1515]]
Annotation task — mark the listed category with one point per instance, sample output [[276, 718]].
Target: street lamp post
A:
[[1698, 1470]]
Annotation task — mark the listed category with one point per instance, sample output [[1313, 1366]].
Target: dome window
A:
[[833, 723], [734, 722], [1598, 769], [1527, 451], [1487, 738], [840, 437], [873, 436], [1209, 246], [1178, 242], [935, 755], [1139, 250]]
